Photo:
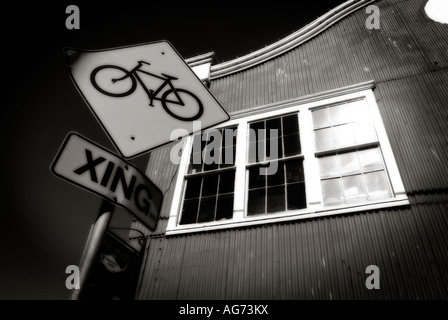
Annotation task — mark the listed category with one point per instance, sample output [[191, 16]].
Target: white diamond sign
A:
[[140, 94]]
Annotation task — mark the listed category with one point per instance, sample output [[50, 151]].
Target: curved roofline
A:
[[295, 39]]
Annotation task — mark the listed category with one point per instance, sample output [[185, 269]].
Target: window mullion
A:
[[310, 165], [240, 171], [187, 144], [217, 196]]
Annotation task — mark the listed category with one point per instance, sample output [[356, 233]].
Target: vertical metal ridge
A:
[[317, 259], [410, 109], [334, 59], [326, 258], [426, 33]]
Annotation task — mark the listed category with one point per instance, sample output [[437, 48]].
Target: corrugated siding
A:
[[162, 171], [425, 33], [326, 258], [415, 113], [316, 259], [347, 53]]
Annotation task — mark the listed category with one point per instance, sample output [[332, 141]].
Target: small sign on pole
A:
[[140, 94], [93, 168]]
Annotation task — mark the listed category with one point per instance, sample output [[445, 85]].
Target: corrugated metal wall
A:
[[415, 112], [347, 53], [316, 259], [326, 258]]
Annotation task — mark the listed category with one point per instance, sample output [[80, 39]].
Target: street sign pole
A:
[[118, 85], [120, 183], [92, 246]]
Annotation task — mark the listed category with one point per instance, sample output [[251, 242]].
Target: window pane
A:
[[276, 199], [339, 114], [252, 134], [370, 159], [378, 185], [252, 155], [294, 170], [273, 124], [290, 124], [256, 180], [278, 177], [349, 163], [229, 137], [364, 132], [343, 136], [292, 145], [227, 157], [274, 148], [214, 138], [256, 202], [358, 111], [257, 131], [193, 187], [211, 158], [354, 189], [321, 118], [256, 151], [210, 185], [224, 209], [207, 209], [189, 211], [296, 196], [227, 182], [329, 166], [332, 192], [323, 139]]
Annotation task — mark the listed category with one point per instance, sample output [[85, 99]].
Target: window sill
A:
[[316, 212]]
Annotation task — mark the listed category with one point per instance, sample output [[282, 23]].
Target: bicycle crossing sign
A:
[[140, 94]]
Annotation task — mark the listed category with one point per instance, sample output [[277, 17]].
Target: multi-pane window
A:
[[351, 165], [343, 125], [293, 162], [281, 186], [352, 177], [210, 180]]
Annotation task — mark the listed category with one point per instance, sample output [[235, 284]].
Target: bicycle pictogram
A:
[[115, 81]]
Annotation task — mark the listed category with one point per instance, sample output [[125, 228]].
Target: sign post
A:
[[92, 246], [93, 168], [139, 94]]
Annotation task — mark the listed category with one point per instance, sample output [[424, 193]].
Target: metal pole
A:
[[92, 245]]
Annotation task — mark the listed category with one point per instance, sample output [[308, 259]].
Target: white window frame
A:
[[315, 207]]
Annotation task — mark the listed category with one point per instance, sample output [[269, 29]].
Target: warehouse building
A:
[[351, 115]]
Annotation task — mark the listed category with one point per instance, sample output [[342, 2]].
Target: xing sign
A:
[[140, 94], [93, 168]]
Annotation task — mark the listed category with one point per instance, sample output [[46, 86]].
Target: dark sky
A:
[[45, 220]]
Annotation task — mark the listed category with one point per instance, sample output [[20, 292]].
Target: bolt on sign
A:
[[93, 168], [140, 94]]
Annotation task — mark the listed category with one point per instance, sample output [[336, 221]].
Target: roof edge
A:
[[295, 39], [200, 59]]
